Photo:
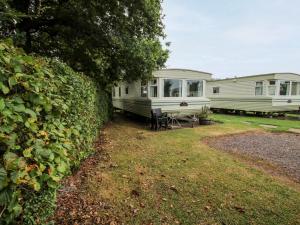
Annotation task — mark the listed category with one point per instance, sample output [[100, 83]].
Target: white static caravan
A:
[[173, 90], [277, 92]]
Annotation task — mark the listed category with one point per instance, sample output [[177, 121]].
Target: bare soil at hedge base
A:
[[281, 150], [74, 205]]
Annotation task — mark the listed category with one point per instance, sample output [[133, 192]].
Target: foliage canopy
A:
[[106, 39]]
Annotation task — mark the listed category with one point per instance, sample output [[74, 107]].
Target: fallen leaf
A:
[[135, 211], [173, 188], [113, 165], [239, 209], [135, 193], [207, 207]]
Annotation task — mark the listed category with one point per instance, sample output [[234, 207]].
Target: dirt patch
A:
[[74, 203], [279, 149]]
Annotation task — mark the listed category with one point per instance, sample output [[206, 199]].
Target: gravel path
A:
[[281, 149]]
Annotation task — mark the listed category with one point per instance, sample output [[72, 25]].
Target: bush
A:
[[49, 119], [38, 206]]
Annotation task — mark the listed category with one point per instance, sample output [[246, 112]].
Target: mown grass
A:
[[254, 121], [173, 177]]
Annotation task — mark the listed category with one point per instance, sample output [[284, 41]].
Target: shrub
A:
[[38, 206], [49, 119]]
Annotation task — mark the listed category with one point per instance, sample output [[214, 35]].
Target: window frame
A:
[[262, 88], [181, 88], [297, 88], [216, 88], [151, 85], [201, 85], [288, 88], [272, 86], [144, 89]]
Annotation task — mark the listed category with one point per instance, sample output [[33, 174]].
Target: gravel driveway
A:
[[281, 149]]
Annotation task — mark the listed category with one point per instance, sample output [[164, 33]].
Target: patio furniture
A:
[[158, 119], [172, 120]]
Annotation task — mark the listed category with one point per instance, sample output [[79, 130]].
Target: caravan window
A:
[[144, 91], [194, 88], [120, 92], [272, 87], [153, 88], [295, 88], [259, 88], [172, 88], [216, 90], [285, 88], [127, 90]]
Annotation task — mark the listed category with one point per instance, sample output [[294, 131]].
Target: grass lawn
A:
[[282, 125], [173, 177]]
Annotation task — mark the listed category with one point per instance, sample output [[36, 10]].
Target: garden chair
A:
[[158, 119]]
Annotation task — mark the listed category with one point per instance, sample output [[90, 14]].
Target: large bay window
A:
[[286, 88], [194, 88], [172, 88]]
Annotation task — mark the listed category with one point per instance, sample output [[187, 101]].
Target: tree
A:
[[106, 39]]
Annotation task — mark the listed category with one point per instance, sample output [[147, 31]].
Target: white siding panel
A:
[[246, 104], [174, 105], [287, 101], [139, 107], [182, 74], [288, 76], [234, 88]]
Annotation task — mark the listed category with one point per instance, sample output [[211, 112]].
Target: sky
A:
[[233, 37]]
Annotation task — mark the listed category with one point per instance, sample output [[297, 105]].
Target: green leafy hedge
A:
[[49, 118]]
